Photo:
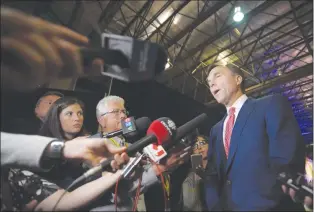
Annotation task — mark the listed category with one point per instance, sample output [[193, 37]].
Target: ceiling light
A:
[[176, 19], [238, 15], [168, 65], [222, 58]]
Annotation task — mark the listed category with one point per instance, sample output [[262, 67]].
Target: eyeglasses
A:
[[199, 144], [117, 112]]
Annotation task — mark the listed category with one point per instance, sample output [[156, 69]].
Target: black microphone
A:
[[131, 127], [186, 129], [161, 130]]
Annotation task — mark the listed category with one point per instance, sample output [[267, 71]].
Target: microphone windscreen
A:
[[163, 129]]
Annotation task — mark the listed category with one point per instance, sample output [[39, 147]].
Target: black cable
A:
[[77, 181], [73, 185]]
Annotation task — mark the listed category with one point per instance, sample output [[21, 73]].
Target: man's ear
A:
[[100, 120], [239, 79], [36, 110]]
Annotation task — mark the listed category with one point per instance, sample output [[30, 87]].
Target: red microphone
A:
[[159, 132]]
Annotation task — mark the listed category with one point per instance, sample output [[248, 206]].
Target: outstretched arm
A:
[[81, 196]]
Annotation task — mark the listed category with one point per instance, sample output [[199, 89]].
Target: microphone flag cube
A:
[[155, 152]]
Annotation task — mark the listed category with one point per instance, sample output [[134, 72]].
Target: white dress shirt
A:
[[237, 105]]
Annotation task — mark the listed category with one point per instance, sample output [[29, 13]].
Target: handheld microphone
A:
[[297, 183], [156, 153], [186, 129], [161, 130], [131, 127]]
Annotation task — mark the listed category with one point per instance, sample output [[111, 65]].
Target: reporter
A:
[[64, 119]]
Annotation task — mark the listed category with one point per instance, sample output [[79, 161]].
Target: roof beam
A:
[[108, 13], [205, 14], [138, 14], [228, 28], [267, 43], [164, 7], [252, 33], [175, 12], [301, 29], [75, 13]]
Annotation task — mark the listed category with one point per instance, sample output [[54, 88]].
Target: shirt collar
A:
[[238, 103]]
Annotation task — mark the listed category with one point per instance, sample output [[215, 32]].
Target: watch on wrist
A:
[[55, 150]]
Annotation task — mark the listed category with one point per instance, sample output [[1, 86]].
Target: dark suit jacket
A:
[[265, 140]]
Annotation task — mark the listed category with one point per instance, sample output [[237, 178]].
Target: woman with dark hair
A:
[[64, 120]]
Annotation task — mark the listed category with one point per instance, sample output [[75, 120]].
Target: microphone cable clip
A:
[[131, 165]]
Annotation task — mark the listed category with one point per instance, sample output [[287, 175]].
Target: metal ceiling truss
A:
[[223, 30], [286, 88], [175, 12], [145, 8], [141, 21], [107, 16], [301, 29], [205, 13], [142, 29], [233, 46], [75, 13], [286, 65]]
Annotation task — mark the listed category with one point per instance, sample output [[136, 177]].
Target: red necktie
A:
[[229, 127]]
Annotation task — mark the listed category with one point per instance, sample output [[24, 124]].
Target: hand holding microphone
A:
[[179, 153], [298, 189]]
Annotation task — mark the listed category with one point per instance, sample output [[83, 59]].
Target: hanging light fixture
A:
[[238, 15]]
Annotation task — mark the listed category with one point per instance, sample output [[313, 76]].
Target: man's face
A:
[[44, 105], [111, 120], [223, 84]]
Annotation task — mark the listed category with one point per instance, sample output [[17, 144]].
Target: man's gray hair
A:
[[102, 104]]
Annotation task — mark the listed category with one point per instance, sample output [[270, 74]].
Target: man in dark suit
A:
[[257, 139]]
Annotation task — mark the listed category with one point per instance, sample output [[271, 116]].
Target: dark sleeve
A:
[[286, 145]]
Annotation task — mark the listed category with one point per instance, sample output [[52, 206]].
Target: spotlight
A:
[[168, 65], [238, 15]]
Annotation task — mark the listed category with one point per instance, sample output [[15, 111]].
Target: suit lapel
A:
[[220, 145], [243, 115]]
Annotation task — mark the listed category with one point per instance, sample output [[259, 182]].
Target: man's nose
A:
[[211, 84], [122, 115]]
